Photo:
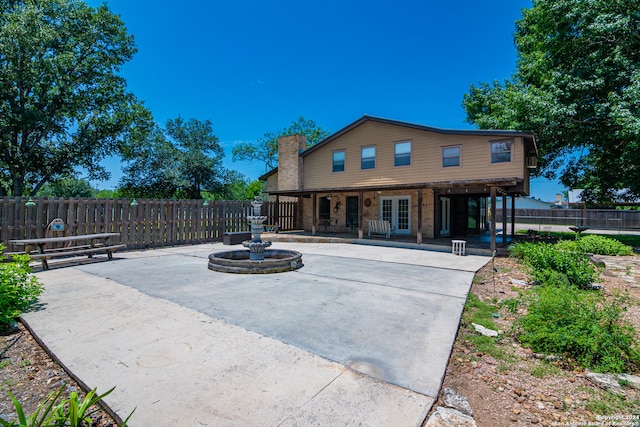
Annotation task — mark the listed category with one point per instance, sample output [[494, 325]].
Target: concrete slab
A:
[[191, 346]]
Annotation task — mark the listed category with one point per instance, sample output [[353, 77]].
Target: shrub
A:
[[580, 325], [594, 244], [547, 261], [19, 289]]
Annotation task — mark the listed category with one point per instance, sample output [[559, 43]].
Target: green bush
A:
[[19, 289], [594, 244], [547, 261], [580, 325]]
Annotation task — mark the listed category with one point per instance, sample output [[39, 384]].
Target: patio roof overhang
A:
[[504, 186]]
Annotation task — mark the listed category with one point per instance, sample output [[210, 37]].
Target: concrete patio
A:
[[361, 335]]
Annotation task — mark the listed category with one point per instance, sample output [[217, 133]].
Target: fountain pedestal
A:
[[256, 246]]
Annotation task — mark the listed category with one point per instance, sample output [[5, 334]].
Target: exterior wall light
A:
[[134, 202], [30, 202]]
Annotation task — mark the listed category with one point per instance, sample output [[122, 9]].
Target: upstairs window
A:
[[450, 156], [501, 151], [338, 161], [402, 154], [368, 158]]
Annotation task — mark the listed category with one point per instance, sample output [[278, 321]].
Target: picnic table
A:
[[85, 244]]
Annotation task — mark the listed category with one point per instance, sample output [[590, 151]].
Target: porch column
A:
[[493, 218], [360, 215], [513, 218], [314, 221], [504, 219], [419, 233]]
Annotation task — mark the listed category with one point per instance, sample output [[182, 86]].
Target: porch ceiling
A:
[[506, 186]]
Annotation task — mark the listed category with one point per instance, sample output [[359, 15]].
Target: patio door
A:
[[445, 216], [352, 213], [397, 210]]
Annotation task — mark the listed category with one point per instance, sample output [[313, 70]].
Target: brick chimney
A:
[[290, 162]]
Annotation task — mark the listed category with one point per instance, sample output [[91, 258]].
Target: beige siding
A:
[[426, 162]]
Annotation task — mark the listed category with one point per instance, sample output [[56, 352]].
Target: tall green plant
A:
[[19, 288], [543, 258], [70, 412], [580, 325], [594, 244]]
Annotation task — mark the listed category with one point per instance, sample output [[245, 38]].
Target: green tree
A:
[[237, 187], [62, 103], [577, 86], [265, 150], [67, 187], [181, 160]]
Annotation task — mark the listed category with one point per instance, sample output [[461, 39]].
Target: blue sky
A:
[[255, 66]]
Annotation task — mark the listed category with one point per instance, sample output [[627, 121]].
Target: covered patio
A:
[[423, 214]]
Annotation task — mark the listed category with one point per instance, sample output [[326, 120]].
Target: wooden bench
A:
[[381, 227], [235, 237], [97, 243]]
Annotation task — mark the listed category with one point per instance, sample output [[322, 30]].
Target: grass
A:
[[544, 369], [480, 312]]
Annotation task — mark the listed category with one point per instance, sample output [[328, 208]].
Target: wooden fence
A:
[[593, 218], [150, 223]]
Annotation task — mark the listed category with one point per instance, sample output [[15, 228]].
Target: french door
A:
[[397, 210]]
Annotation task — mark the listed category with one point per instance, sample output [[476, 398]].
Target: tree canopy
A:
[[265, 150], [180, 160], [62, 103], [577, 86]]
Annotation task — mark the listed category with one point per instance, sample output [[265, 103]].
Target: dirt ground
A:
[[522, 391], [31, 375], [527, 389]]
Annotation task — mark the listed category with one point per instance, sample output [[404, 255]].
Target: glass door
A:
[[397, 210], [445, 216]]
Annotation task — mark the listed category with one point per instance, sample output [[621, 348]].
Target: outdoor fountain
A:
[[258, 259]]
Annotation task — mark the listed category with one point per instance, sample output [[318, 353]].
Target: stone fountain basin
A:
[[275, 261]]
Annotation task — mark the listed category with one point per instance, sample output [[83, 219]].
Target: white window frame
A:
[[375, 154], [395, 153]]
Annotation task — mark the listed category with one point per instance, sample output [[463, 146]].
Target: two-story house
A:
[[427, 182]]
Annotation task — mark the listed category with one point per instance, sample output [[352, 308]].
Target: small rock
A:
[[557, 405], [540, 405], [500, 388], [632, 381], [455, 400], [444, 417], [518, 391], [513, 418], [485, 331], [608, 382], [516, 411], [535, 421]]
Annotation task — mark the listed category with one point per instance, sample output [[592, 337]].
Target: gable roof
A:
[[528, 136]]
